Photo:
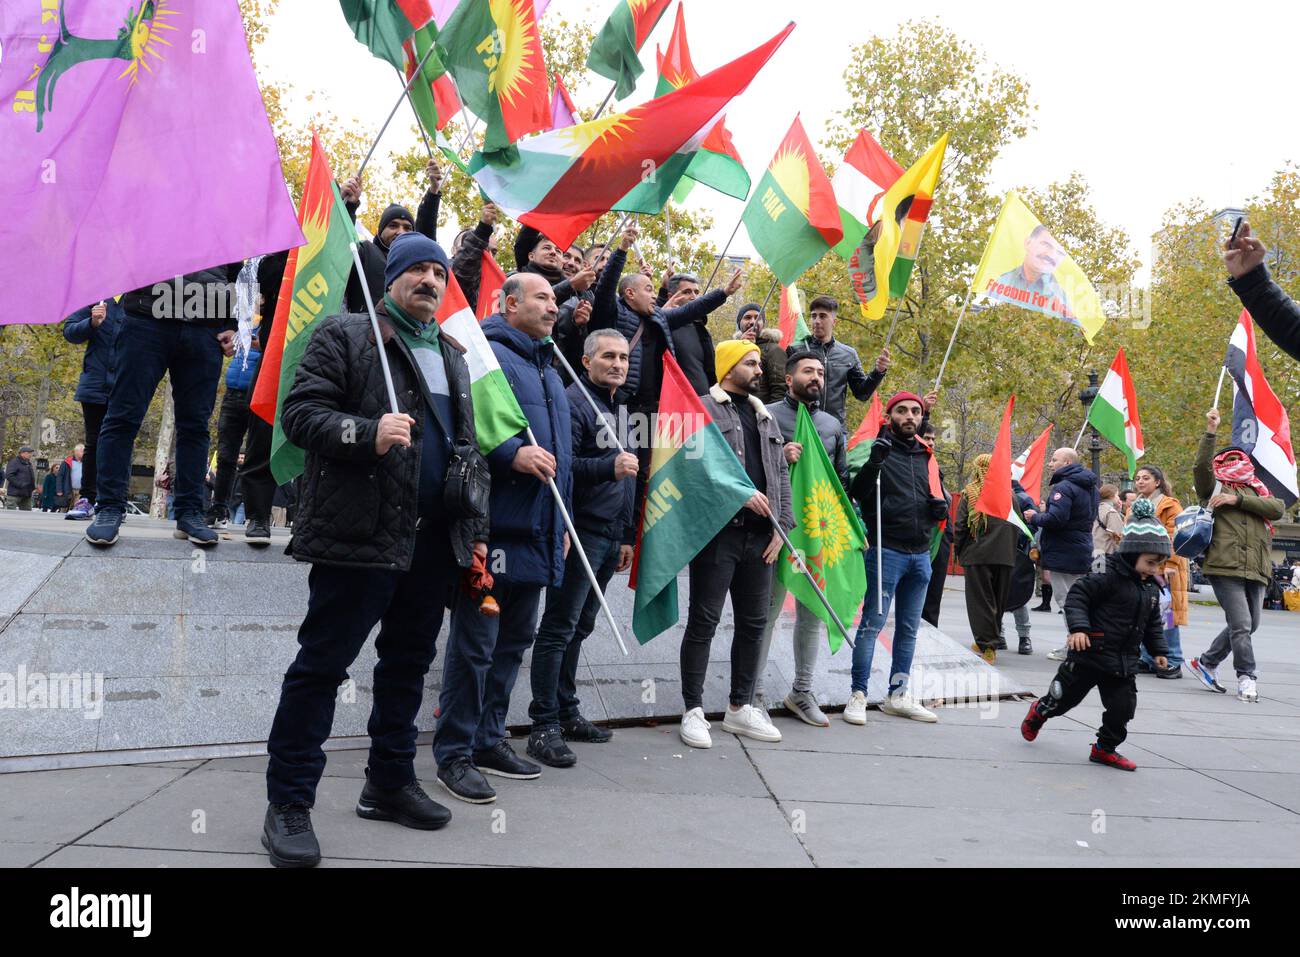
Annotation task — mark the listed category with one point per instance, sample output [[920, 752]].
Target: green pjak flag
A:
[[314, 279], [696, 486], [792, 217], [616, 52], [828, 536], [382, 25]]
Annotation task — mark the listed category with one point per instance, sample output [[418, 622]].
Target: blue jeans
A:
[[146, 350], [569, 618], [481, 665], [1174, 639], [907, 578]]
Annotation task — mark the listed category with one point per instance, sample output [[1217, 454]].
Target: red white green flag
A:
[[792, 217], [494, 50], [860, 441], [860, 184], [616, 54], [1114, 412], [564, 180], [790, 318], [696, 486]]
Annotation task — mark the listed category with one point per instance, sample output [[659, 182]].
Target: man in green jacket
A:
[[1237, 562]]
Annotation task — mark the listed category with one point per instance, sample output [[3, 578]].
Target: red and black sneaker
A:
[[1111, 759], [1032, 724]]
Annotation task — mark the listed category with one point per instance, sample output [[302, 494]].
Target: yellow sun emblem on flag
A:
[[823, 518], [790, 170], [515, 38], [146, 37], [599, 138]]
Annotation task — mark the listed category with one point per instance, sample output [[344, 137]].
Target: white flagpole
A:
[[880, 555], [393, 112], [374, 325], [723, 255], [947, 352], [1223, 371], [1081, 431], [576, 545], [803, 567]]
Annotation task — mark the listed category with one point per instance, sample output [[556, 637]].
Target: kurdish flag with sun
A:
[[563, 180], [616, 53], [792, 218], [314, 280], [493, 48], [115, 97], [827, 536]]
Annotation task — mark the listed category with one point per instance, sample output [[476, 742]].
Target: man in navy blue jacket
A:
[[1068, 513], [526, 551], [97, 327], [604, 482]]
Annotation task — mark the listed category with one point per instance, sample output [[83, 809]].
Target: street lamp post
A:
[[1094, 444]]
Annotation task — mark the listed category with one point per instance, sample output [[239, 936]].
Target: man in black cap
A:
[[751, 325], [393, 222], [20, 479], [386, 533]]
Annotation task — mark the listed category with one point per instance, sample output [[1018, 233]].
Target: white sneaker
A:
[[1246, 690], [1059, 654], [855, 712], [695, 730], [900, 703], [760, 705], [750, 722]]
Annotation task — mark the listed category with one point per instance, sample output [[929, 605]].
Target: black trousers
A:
[[731, 563], [1073, 681], [255, 478], [343, 605], [938, 575], [987, 589], [232, 424], [92, 415]]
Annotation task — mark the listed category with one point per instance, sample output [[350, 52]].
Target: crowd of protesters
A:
[[404, 521]]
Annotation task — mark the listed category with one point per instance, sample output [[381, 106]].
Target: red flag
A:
[[870, 426], [1028, 469], [995, 498], [491, 280]]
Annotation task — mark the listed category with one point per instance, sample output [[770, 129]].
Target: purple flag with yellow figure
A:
[[136, 148]]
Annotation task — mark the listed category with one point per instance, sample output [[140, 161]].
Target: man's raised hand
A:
[[733, 284], [1243, 253]]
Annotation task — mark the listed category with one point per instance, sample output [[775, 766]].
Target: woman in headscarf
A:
[[1237, 563], [986, 548], [1152, 485]]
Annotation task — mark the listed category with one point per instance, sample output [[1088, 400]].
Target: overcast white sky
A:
[[1155, 102]]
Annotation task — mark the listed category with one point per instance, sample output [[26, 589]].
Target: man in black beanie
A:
[[393, 222], [751, 325]]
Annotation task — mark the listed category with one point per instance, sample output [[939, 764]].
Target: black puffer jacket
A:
[[908, 512], [356, 507], [1119, 612]]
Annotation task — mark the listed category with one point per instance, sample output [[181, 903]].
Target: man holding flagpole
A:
[[526, 551], [899, 532]]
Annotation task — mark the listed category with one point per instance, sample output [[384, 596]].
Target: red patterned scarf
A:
[[1236, 471]]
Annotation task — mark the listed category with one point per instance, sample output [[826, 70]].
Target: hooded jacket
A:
[[98, 365], [1119, 611], [645, 371], [844, 373], [1073, 498], [527, 528]]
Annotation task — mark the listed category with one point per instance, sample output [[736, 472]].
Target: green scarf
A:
[[416, 335]]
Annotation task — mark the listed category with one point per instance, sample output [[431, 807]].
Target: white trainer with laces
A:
[[901, 704], [1246, 690], [750, 722], [695, 730], [855, 712]]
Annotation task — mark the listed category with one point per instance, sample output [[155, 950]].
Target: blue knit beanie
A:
[[409, 249]]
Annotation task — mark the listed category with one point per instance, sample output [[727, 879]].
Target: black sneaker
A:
[[1026, 647], [546, 745], [1143, 668], [218, 517], [1173, 671], [103, 530], [1000, 644], [257, 532], [288, 837], [409, 806], [502, 761], [462, 780], [580, 729], [192, 526]]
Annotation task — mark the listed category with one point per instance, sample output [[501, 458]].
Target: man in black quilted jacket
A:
[[386, 536]]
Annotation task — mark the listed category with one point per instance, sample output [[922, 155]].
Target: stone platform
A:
[[165, 651]]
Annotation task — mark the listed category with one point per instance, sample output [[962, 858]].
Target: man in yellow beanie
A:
[[739, 559]]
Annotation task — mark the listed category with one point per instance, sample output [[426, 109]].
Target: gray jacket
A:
[[719, 406], [786, 413], [843, 372]]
